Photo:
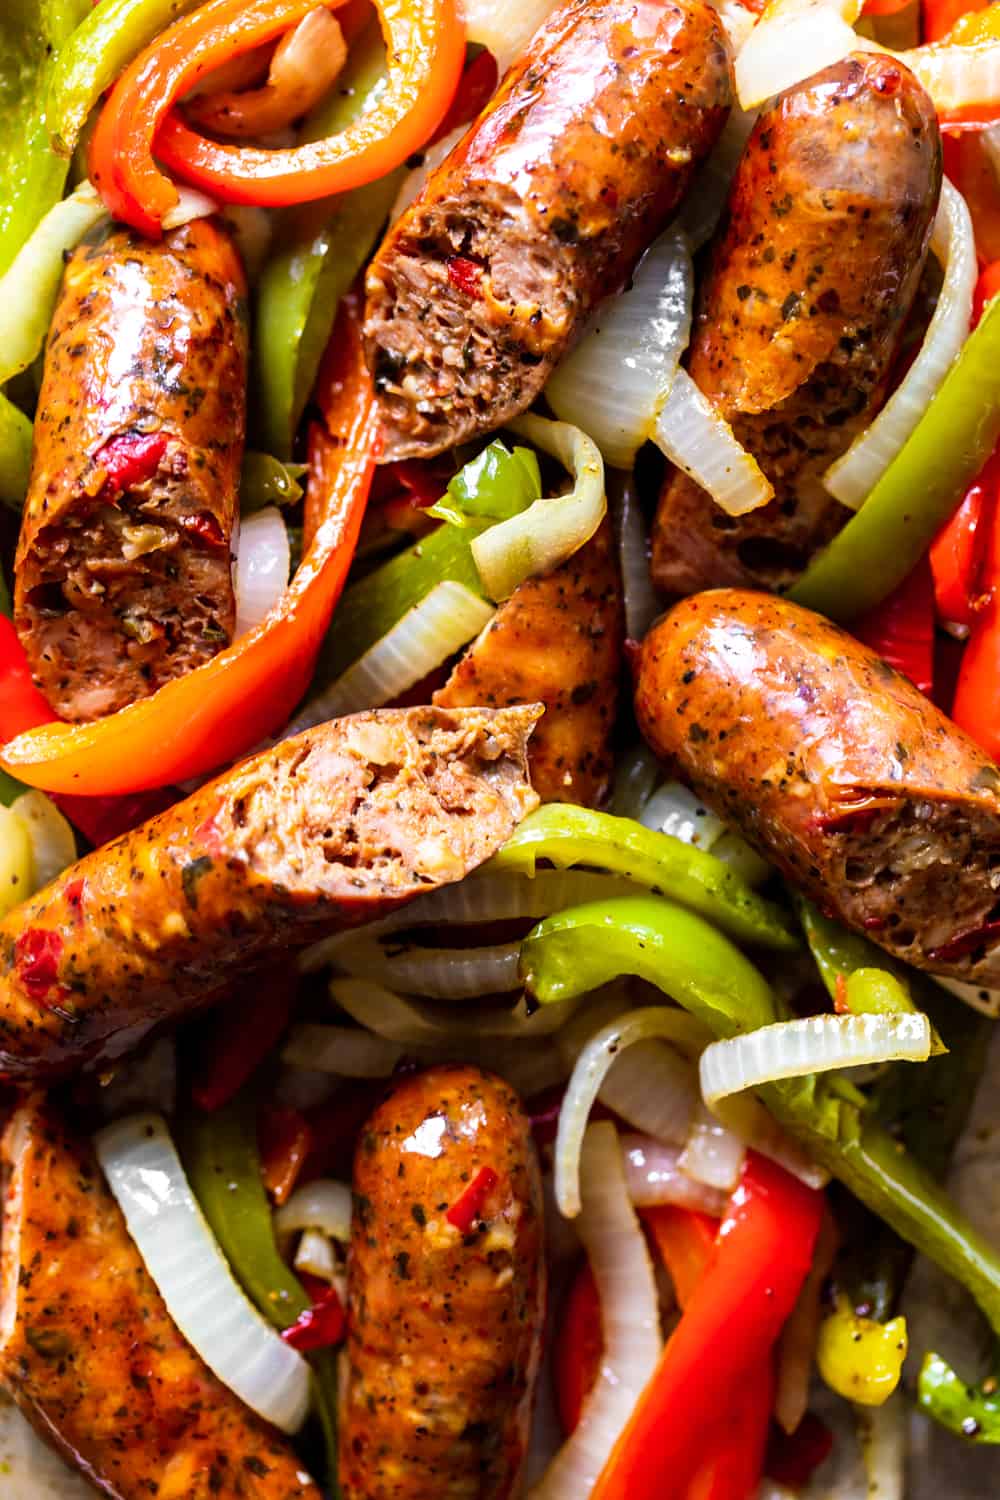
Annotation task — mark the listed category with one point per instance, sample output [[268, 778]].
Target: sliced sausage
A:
[[812, 274], [446, 1293], [123, 570], [542, 209], [836, 768], [90, 1353], [557, 640], [326, 830]]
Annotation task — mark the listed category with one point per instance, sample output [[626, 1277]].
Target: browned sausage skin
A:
[[90, 1353], [557, 640], [836, 768], [542, 209], [123, 571], [445, 1322], [327, 830], [813, 271]]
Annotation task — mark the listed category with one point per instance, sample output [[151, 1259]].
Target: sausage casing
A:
[[123, 574], [557, 640], [90, 1353], [813, 271], [542, 209], [836, 768], [326, 830], [445, 1321]]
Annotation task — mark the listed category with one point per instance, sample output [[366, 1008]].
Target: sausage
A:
[[90, 1353], [445, 1319], [836, 768], [326, 830], [123, 573], [542, 208], [812, 274], [557, 640]]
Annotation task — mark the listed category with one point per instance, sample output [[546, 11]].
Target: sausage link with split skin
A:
[[123, 575], [542, 209], [812, 274], [836, 768], [446, 1292], [327, 830]]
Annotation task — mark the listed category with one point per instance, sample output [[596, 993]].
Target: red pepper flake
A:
[[320, 1326], [465, 275], [467, 1208], [131, 458], [36, 954], [840, 1004], [206, 528]]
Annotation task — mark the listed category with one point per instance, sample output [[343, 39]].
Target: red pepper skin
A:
[[901, 628], [792, 1458], [464, 1212], [320, 1326], [733, 1472], [939, 16], [987, 288], [284, 1138], [578, 1348], [239, 1037], [101, 819], [21, 704], [476, 88], [685, 1241], [763, 1252], [131, 458], [956, 553], [976, 706]]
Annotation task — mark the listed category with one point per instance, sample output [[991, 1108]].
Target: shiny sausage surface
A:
[[329, 829], [123, 571], [542, 209], [836, 768], [445, 1317], [90, 1353], [813, 271]]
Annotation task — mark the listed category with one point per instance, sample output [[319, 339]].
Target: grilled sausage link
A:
[[90, 1353], [327, 830], [836, 768], [445, 1312], [557, 640], [812, 274], [123, 571], [542, 209]]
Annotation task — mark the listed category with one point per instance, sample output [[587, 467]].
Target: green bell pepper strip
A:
[[969, 1411], [567, 836], [265, 480], [319, 251], [496, 484], [587, 946], [222, 1162], [885, 540], [15, 453]]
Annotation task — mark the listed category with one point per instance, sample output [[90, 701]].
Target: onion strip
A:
[[439, 973], [263, 563], [324, 1204], [699, 441]]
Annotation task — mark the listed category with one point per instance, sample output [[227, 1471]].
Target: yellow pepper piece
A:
[[17, 874], [858, 1358], [976, 26]]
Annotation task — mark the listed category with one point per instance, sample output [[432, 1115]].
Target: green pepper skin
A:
[[567, 836], [920, 488], [580, 949], [496, 483], [969, 1411]]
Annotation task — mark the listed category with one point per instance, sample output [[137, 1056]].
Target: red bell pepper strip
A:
[[976, 706], [792, 1458], [735, 1465], [685, 1242], [467, 1207], [763, 1252], [884, 7], [284, 1137], [217, 712], [579, 1344], [21, 704], [239, 1036], [956, 554], [320, 1326], [901, 628], [476, 88], [102, 819]]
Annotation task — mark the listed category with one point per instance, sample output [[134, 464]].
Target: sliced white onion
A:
[[674, 809], [703, 205], [652, 1022], [324, 1205], [811, 1044], [342, 1050], [29, 286], [439, 973], [53, 843], [699, 441], [191, 204], [882, 1436], [616, 1250], [144, 1173], [303, 1088], [506, 29], [263, 560], [792, 40], [636, 775], [958, 75], [444, 621], [713, 1155], [552, 529], [421, 1022], [796, 1349], [642, 603], [315, 1256], [654, 1176], [737, 19], [614, 382], [974, 995], [431, 158], [744, 1116], [482, 897], [853, 476]]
